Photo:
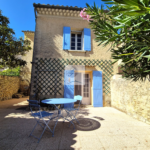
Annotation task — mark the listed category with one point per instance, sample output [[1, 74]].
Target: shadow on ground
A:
[[17, 125], [86, 124]]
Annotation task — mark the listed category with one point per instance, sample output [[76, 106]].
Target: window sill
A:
[[81, 51]]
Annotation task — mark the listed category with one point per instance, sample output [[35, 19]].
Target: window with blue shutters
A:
[[76, 40]]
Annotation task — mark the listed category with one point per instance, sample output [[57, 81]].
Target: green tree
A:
[[125, 27], [10, 47]]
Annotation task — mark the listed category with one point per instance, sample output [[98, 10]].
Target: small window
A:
[[76, 41]]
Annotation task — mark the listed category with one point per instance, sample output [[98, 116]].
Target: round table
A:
[[56, 101], [59, 101]]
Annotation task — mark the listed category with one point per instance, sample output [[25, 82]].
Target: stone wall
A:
[[132, 98], [49, 39], [8, 86]]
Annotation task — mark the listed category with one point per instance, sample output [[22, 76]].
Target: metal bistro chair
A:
[[39, 117], [70, 111]]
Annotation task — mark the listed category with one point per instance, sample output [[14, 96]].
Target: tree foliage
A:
[[126, 29], [11, 72], [10, 47]]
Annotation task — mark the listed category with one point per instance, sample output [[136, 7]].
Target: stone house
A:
[[65, 52], [26, 71]]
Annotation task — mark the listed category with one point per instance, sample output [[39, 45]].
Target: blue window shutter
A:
[[97, 89], [66, 38], [69, 86], [87, 39]]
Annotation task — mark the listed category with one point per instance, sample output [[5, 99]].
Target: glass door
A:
[[82, 87], [86, 89]]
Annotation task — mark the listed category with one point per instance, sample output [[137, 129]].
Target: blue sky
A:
[[21, 12]]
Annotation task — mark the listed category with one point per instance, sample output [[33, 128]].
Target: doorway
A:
[[82, 86]]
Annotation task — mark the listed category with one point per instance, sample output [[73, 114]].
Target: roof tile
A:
[[57, 7]]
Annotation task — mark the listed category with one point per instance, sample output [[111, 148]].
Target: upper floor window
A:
[[76, 41]]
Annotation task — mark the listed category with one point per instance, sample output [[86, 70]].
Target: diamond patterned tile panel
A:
[[48, 74]]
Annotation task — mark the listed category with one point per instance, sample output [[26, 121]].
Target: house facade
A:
[[66, 54], [26, 70]]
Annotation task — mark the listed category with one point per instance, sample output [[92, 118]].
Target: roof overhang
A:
[[57, 7], [57, 10], [27, 32]]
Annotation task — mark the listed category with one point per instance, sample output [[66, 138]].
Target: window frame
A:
[[76, 33]]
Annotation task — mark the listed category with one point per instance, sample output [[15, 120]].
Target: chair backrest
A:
[[78, 97], [33, 103]]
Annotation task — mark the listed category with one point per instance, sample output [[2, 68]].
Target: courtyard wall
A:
[[132, 98], [8, 86]]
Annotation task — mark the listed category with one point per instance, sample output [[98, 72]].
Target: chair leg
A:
[[33, 129], [44, 128], [42, 134], [71, 123], [55, 127], [41, 125], [71, 119], [77, 121], [64, 118], [46, 124], [76, 118]]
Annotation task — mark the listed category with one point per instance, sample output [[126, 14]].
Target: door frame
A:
[[91, 83]]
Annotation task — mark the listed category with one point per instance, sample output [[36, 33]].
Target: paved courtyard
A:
[[99, 129]]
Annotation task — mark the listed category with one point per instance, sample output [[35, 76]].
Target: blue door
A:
[[97, 89], [69, 86]]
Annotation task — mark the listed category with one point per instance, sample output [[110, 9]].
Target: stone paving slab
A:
[[99, 129]]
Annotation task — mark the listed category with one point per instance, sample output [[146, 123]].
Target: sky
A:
[[21, 12]]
